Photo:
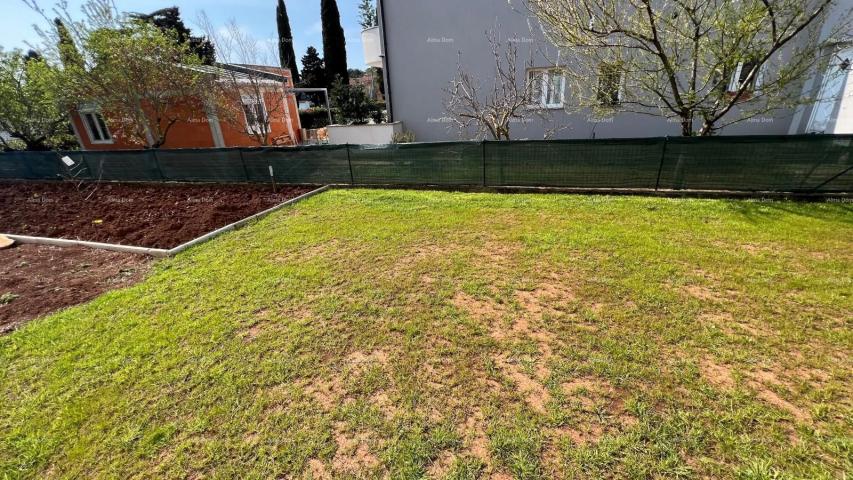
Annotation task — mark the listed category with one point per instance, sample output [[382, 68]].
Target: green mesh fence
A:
[[301, 165], [130, 166], [210, 165], [620, 163], [418, 164], [30, 165], [781, 164], [803, 164]]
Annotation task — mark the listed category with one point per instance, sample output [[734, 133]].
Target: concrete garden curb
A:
[[160, 252]]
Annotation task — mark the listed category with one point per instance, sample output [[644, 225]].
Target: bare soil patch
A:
[[716, 374], [38, 279], [353, 453], [159, 215], [763, 382]]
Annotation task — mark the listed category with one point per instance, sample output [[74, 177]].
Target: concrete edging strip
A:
[[240, 223], [159, 252], [62, 242]]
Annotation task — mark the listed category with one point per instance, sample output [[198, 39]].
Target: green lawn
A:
[[370, 333]]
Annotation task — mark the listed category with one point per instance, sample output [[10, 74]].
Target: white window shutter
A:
[[759, 77], [734, 83]]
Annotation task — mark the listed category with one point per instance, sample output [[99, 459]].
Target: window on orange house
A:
[[96, 127]]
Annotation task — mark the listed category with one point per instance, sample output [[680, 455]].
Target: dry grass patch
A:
[[353, 454], [716, 374]]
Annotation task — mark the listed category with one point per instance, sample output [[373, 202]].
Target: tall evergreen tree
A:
[[334, 43], [169, 19], [68, 53], [313, 69], [367, 14], [286, 55]]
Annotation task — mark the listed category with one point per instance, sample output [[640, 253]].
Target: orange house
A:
[[207, 128]]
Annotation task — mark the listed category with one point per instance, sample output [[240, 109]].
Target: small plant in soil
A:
[[7, 298]]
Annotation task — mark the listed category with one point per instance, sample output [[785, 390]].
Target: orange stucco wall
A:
[[283, 112], [197, 133]]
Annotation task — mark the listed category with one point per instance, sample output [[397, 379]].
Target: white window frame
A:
[[103, 131], [253, 100], [544, 79], [734, 81]]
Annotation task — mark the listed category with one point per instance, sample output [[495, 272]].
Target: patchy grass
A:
[[447, 335]]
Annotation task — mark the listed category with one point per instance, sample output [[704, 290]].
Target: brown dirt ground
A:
[[38, 279], [148, 215]]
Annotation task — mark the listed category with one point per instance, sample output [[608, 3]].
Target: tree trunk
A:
[[686, 126], [707, 130]]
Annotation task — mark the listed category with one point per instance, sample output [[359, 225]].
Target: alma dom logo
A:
[[439, 40]]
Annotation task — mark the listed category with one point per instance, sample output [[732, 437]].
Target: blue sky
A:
[[254, 16]]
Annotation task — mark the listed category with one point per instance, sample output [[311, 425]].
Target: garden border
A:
[[161, 252]]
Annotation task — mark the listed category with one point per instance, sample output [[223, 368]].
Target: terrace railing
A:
[[798, 164]]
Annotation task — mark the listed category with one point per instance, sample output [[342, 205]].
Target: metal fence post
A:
[[157, 164], [349, 162], [484, 161], [662, 157], [243, 161]]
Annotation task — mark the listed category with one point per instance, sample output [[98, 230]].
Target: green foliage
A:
[[406, 136], [69, 55], [31, 107], [313, 69], [169, 21], [352, 103], [367, 16], [143, 79], [7, 298], [377, 112], [314, 118], [334, 43], [286, 55]]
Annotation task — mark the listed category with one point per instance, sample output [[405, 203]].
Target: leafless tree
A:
[[703, 63], [247, 96], [481, 111]]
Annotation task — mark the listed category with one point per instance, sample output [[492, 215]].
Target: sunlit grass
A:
[[367, 333]]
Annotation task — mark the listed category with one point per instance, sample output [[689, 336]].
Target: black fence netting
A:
[[632, 163], [448, 163], [299, 165], [30, 165], [802, 164], [121, 166], [780, 164]]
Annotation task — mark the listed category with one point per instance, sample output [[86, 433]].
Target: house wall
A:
[[194, 133], [284, 120], [198, 133], [425, 42], [812, 88]]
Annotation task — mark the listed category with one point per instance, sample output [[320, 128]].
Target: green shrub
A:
[[377, 113], [314, 118], [352, 103], [407, 136]]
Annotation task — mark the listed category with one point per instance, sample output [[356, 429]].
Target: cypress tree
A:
[[286, 55], [334, 43], [68, 53], [313, 69], [367, 14]]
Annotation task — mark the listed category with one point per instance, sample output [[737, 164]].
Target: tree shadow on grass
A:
[[764, 210]]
